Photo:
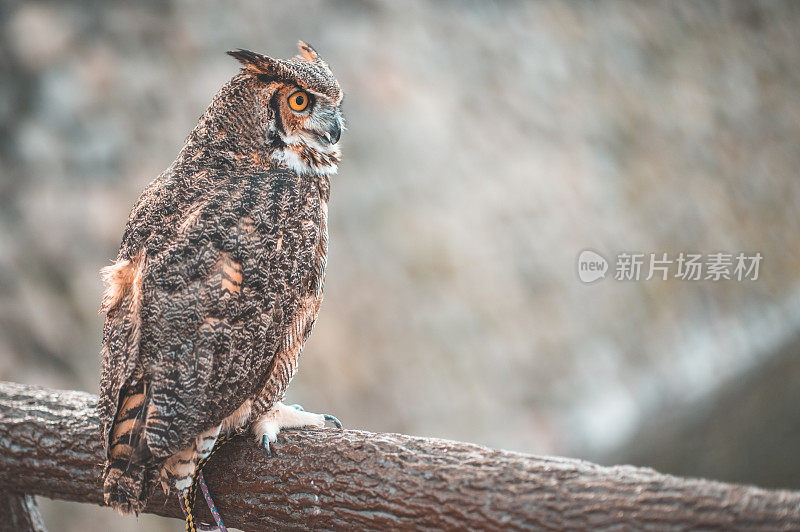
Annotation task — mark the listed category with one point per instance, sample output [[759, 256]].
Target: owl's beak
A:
[[334, 132]]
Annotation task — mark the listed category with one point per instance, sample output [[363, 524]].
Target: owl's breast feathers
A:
[[214, 292]]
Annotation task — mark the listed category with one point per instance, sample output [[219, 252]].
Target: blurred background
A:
[[487, 145]]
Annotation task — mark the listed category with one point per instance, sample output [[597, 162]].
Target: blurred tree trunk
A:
[[20, 513], [749, 431]]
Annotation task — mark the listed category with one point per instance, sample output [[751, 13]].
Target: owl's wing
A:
[[217, 291]]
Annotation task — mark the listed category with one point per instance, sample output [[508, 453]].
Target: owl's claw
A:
[[333, 419], [298, 407], [265, 444]]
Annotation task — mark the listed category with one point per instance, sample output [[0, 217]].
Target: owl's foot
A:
[[328, 417], [282, 416]]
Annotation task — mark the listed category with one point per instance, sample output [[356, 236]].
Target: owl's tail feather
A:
[[125, 488], [126, 476]]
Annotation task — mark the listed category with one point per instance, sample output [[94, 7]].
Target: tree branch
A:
[[50, 445]]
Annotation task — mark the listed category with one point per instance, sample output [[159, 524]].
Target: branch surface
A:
[[333, 479]]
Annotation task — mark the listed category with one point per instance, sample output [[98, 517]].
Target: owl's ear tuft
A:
[[307, 53], [255, 62]]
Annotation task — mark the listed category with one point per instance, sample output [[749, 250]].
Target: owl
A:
[[219, 277]]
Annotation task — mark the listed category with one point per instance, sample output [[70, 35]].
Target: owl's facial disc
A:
[[309, 118], [309, 126]]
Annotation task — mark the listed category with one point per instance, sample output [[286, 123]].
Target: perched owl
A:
[[218, 280]]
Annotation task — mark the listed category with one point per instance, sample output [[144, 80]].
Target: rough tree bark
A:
[[331, 479]]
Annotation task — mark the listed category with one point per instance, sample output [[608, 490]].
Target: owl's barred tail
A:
[[124, 487], [127, 472]]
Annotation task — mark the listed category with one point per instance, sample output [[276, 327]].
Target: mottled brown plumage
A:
[[219, 277]]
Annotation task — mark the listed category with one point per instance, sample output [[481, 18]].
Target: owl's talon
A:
[[333, 419], [298, 407], [265, 444]]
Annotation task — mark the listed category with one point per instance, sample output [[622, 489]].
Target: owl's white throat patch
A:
[[307, 158]]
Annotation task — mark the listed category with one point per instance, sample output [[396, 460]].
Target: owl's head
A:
[[303, 99]]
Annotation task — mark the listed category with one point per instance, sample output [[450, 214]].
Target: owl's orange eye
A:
[[299, 101]]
